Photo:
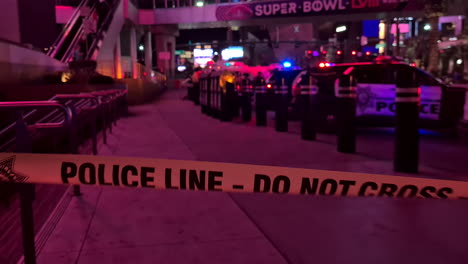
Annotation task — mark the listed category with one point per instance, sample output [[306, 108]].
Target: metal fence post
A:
[[27, 194], [73, 143]]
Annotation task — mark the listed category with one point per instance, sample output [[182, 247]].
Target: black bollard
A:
[[346, 113], [246, 99], [260, 100], [260, 105], [281, 106], [308, 108], [407, 115]]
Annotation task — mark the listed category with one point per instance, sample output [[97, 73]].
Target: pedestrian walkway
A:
[[113, 225]]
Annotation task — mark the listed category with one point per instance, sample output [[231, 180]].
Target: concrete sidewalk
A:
[[112, 225]]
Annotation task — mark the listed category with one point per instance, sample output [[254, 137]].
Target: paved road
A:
[[109, 225]]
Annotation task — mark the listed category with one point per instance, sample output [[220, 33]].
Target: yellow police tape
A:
[[213, 176]]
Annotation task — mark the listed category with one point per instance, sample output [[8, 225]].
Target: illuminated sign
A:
[[232, 53], [341, 29], [310, 8], [202, 56]]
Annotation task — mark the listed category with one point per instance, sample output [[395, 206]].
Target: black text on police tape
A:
[[207, 180], [316, 186], [131, 176]]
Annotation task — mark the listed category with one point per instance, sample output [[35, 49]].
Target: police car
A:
[[441, 105]]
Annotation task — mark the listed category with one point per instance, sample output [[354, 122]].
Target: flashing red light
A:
[[353, 53], [322, 65], [324, 52], [368, 53], [339, 52], [269, 86], [309, 52]]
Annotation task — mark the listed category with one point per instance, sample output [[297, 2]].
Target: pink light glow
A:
[[404, 28], [64, 7]]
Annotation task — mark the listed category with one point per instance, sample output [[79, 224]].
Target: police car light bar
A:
[[287, 64], [325, 64]]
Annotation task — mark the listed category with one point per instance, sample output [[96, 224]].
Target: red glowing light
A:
[[322, 65], [368, 53], [64, 7], [338, 52], [353, 53], [324, 52], [309, 52], [238, 87], [269, 86], [413, 64]]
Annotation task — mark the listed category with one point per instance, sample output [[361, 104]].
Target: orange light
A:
[[322, 65], [339, 52], [353, 53], [269, 86]]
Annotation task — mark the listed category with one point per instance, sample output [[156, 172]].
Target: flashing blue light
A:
[[287, 64]]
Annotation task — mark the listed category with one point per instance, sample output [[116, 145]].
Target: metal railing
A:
[[42, 125]]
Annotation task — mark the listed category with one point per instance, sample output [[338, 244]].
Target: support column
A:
[[397, 38], [164, 39], [229, 34], [148, 52], [118, 59], [133, 53]]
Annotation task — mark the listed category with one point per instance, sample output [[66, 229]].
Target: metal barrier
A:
[[64, 118], [216, 94], [24, 144]]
